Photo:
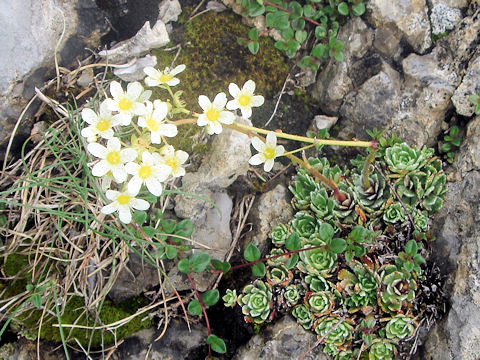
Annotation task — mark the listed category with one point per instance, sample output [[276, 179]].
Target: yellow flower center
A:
[[152, 124], [113, 157], [124, 104], [145, 171], [103, 125], [212, 114], [123, 199], [173, 163], [244, 100], [165, 78], [269, 153]]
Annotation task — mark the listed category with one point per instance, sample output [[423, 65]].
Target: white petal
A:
[[150, 71], [125, 215], [257, 100], [148, 107], [108, 134], [89, 132], [279, 150], [202, 120], [210, 130], [178, 69], [138, 108], [127, 155], [271, 139], [256, 159], [134, 90], [119, 173], [204, 102], [155, 137], [173, 82], [108, 209], [111, 104], [233, 89], [123, 119], [140, 204], [151, 82], [154, 186], [111, 194], [232, 105], [116, 89], [104, 111], [220, 100], [226, 117], [100, 168], [114, 144], [144, 96], [132, 168], [164, 172], [249, 86], [147, 157], [97, 150], [134, 185], [161, 111], [181, 155], [268, 165], [89, 116], [258, 144], [179, 172], [246, 112], [168, 130], [216, 126]]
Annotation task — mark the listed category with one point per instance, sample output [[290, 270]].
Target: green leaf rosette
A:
[[337, 333], [400, 327], [279, 234], [317, 262], [381, 349], [397, 291], [256, 302], [402, 159], [303, 315], [320, 303]]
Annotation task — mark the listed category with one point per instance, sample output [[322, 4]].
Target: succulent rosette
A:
[[370, 197], [337, 333], [318, 283], [421, 220], [280, 260], [432, 180], [302, 186], [292, 294], [381, 349], [359, 288], [279, 275], [305, 224], [344, 355], [317, 262], [400, 327], [394, 214], [320, 303], [345, 210], [402, 159], [279, 234], [256, 302], [303, 315], [230, 298], [397, 291], [322, 205]]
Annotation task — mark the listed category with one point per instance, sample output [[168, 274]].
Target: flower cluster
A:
[[127, 164]]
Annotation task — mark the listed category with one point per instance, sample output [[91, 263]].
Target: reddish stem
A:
[[291, 12]]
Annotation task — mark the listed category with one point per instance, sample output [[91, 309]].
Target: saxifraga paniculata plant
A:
[[357, 287]]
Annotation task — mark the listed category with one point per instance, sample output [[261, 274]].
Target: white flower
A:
[[267, 152], [172, 158], [107, 181], [150, 173], [100, 124], [123, 202], [154, 120], [214, 114], [244, 99], [156, 77], [128, 103], [112, 159]]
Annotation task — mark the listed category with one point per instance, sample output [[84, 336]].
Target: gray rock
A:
[[387, 42], [409, 18], [444, 18], [324, 122], [284, 340], [145, 39], [169, 10], [470, 86], [31, 33], [335, 81], [272, 209], [135, 72], [457, 247]]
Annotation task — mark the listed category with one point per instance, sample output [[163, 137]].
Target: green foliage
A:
[[475, 99], [357, 256], [230, 298], [451, 142], [256, 301], [217, 344], [296, 19]]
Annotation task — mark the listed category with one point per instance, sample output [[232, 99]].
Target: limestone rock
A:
[[272, 209], [444, 18], [409, 18], [284, 340], [470, 86], [169, 10], [324, 122], [147, 38], [135, 72]]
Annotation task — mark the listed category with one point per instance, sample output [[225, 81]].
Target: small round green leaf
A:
[[170, 252], [411, 247], [253, 47], [253, 34], [338, 245], [210, 297], [259, 269], [199, 261], [293, 242], [184, 266], [140, 217], [343, 8], [320, 32], [300, 35], [292, 261], [217, 344], [251, 253], [194, 307], [358, 9]]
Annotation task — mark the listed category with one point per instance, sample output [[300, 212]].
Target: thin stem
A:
[[184, 121], [298, 150], [367, 168]]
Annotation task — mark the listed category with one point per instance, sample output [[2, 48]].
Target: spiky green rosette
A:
[[345, 210], [402, 159], [279, 275], [371, 198], [320, 303], [337, 333], [381, 349], [432, 181], [230, 298], [302, 186], [344, 355], [303, 315], [279, 234], [256, 301], [318, 283], [292, 294], [274, 260], [400, 327], [394, 214], [305, 224], [397, 291], [322, 205], [317, 262]]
